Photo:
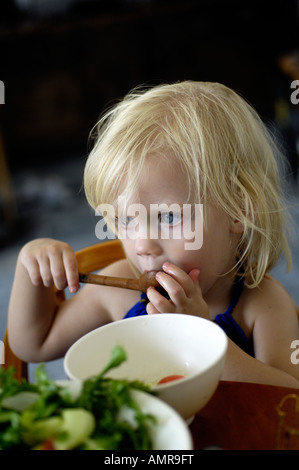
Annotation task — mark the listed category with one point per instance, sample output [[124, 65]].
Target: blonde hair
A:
[[227, 153]]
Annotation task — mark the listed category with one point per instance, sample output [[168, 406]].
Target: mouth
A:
[[152, 271]]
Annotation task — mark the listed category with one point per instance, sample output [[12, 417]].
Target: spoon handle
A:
[[122, 282]]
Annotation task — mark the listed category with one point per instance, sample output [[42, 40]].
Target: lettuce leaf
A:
[[100, 401]]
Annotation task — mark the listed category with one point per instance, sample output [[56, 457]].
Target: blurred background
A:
[[63, 61]]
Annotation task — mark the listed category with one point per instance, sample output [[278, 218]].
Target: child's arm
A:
[[36, 331], [271, 316], [241, 367], [274, 319]]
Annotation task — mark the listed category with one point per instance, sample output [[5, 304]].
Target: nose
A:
[[147, 247]]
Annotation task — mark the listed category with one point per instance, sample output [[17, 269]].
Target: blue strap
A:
[[138, 309], [224, 320], [229, 325]]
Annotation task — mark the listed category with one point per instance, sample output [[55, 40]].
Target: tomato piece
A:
[[48, 445], [170, 378]]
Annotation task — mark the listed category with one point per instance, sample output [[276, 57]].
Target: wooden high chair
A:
[[91, 258]]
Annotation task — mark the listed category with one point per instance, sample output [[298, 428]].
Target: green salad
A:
[[47, 416]]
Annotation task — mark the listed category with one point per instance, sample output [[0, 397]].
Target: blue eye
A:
[[170, 218], [126, 221]]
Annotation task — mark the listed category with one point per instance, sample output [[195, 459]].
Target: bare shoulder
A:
[[272, 321], [269, 298], [271, 294]]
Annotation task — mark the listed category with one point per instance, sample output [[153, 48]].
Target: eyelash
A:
[[126, 221], [123, 221]]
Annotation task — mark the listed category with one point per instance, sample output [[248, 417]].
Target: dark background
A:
[[61, 68]]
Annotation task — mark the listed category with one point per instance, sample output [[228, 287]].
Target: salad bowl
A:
[[99, 413], [164, 346], [168, 431]]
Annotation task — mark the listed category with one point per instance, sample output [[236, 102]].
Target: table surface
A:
[[247, 416]]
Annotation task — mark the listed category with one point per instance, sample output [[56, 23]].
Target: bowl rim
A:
[[140, 318]]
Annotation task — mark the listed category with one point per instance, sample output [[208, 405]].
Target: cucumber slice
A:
[[77, 425]]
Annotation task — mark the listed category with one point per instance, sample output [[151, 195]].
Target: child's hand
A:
[[50, 262], [184, 292]]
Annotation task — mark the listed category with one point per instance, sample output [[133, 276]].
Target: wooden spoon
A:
[[146, 280]]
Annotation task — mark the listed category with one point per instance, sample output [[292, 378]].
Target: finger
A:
[[159, 302], [71, 270], [174, 289], [180, 276], [33, 270], [150, 309], [45, 271], [194, 274], [58, 271]]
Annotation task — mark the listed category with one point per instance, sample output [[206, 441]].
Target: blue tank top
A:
[[224, 320]]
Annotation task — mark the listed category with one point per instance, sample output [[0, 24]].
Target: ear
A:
[[236, 226]]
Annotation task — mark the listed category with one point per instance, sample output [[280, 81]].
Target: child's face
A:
[[164, 183]]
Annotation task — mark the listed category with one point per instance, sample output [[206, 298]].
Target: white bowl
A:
[[168, 432], [157, 346]]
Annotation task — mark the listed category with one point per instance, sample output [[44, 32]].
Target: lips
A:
[[151, 270]]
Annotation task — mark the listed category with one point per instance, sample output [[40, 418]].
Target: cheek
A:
[[129, 248], [183, 258]]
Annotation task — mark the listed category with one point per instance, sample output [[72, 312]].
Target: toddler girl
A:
[[160, 155]]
